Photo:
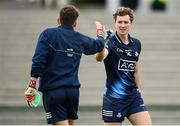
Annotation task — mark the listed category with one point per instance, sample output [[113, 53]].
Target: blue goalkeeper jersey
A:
[[57, 56], [120, 67]]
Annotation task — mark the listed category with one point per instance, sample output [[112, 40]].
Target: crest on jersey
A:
[[119, 115], [128, 52]]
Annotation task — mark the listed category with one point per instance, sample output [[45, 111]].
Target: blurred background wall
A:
[[157, 25]]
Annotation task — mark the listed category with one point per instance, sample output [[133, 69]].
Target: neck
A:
[[124, 38]]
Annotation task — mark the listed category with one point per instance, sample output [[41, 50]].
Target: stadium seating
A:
[[159, 33]]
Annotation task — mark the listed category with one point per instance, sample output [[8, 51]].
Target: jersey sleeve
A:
[[108, 46]]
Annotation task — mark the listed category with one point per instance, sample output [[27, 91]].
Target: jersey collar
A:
[[120, 41]]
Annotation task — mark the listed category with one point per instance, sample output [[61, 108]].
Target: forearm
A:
[[100, 55], [33, 78], [137, 80], [137, 76]]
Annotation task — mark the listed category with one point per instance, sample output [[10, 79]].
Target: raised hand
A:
[[100, 29]]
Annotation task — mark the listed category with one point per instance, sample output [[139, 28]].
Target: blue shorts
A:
[[61, 104], [115, 110]]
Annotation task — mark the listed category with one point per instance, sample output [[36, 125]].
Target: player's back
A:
[[65, 48]]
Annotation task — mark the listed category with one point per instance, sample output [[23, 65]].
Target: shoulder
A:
[[49, 33], [135, 40], [111, 40], [50, 30]]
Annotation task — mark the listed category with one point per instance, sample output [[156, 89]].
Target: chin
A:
[[123, 34]]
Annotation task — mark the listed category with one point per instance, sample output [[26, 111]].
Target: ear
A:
[[74, 24], [58, 20]]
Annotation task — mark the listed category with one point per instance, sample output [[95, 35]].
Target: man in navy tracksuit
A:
[[56, 62]]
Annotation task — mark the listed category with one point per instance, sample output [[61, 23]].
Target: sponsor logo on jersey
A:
[[70, 52], [119, 50], [126, 65]]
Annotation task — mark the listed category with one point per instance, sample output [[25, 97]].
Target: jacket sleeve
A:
[[92, 46], [40, 58]]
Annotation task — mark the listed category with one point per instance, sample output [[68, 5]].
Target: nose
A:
[[122, 24]]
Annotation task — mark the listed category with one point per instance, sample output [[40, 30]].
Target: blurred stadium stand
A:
[[160, 57]]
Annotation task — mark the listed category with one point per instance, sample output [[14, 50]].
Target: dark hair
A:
[[68, 15], [123, 11]]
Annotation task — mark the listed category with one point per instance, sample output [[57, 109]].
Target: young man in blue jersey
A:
[[122, 97], [56, 63]]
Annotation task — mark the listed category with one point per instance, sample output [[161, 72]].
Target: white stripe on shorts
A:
[[107, 113]]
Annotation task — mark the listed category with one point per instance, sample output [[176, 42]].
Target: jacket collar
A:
[[66, 27]]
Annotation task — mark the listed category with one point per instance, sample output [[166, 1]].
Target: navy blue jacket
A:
[[57, 56]]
